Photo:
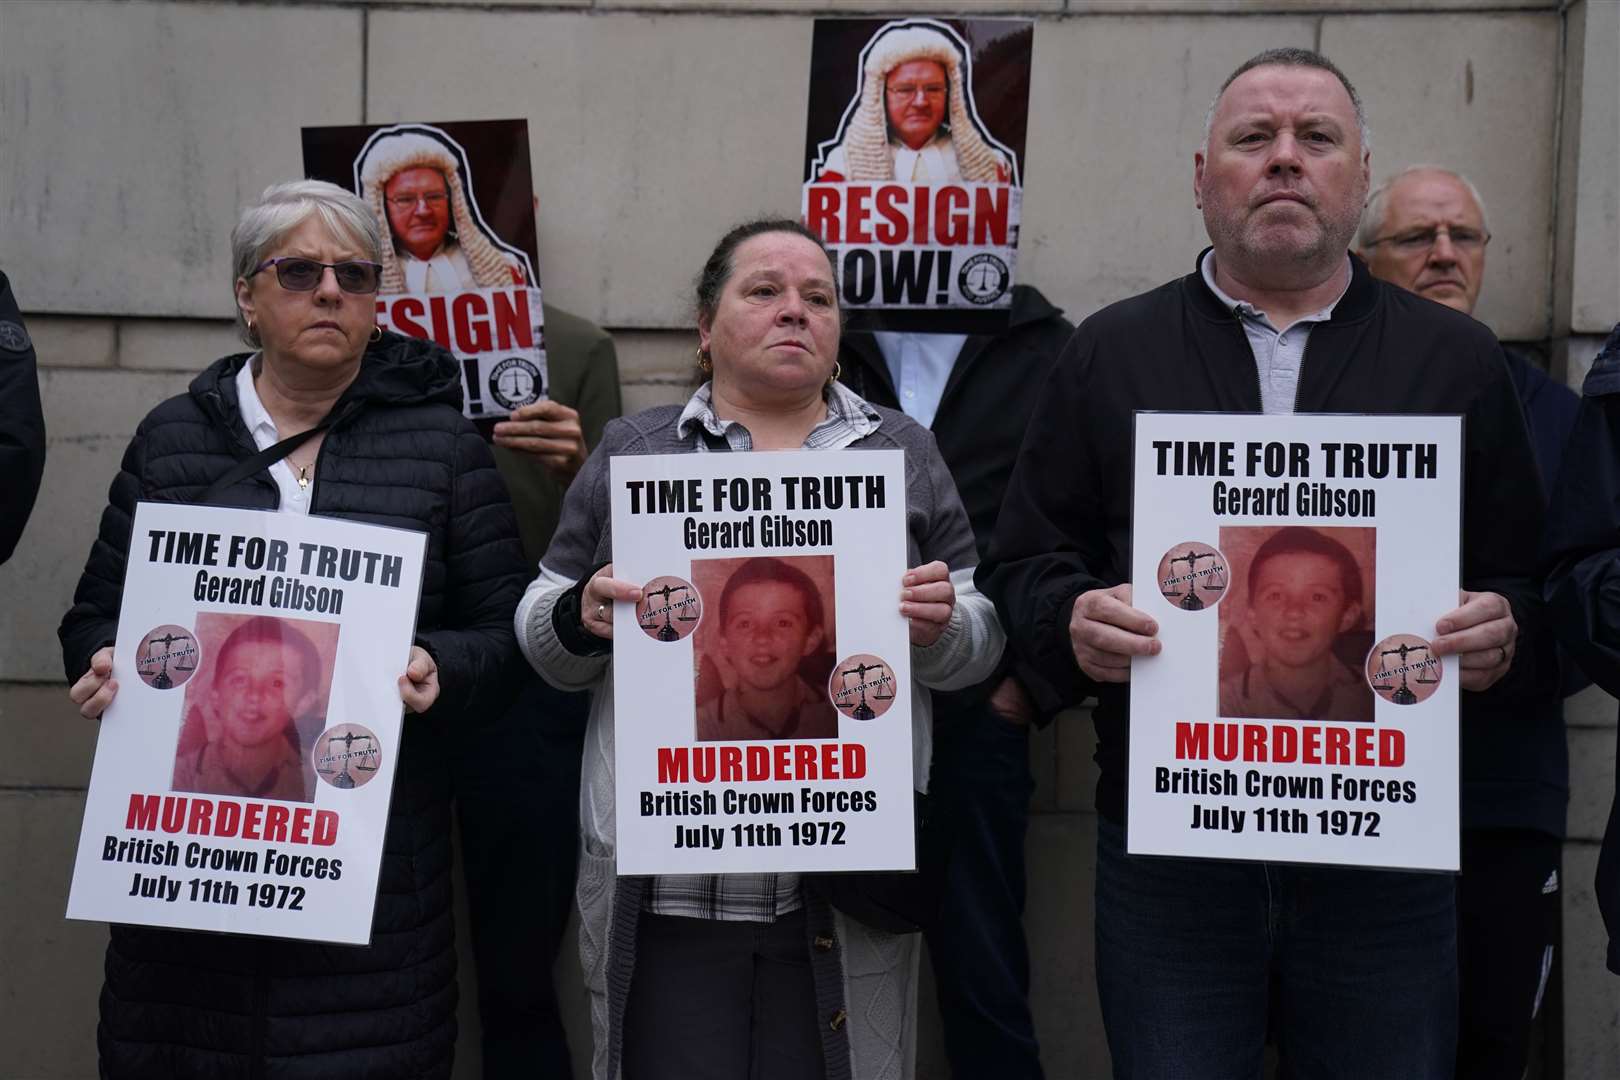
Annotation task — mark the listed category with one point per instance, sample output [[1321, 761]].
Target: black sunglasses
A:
[[297, 274]]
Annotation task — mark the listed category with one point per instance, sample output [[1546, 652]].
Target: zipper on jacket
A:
[[1299, 376]]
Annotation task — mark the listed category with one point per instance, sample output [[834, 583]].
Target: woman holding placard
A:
[[328, 416], [750, 975]]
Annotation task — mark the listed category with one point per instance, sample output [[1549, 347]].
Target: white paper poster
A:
[[1296, 566], [763, 685], [243, 772]]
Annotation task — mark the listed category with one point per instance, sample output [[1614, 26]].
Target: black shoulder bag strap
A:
[[262, 460]]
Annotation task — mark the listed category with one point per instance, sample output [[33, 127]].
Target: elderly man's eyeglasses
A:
[[298, 274], [907, 91], [1421, 240], [434, 199]]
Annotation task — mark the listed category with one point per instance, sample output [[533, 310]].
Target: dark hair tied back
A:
[[717, 271]]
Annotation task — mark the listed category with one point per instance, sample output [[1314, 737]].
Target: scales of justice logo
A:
[[670, 608], [1403, 670], [1201, 583], [870, 693], [515, 382], [347, 756], [166, 657]]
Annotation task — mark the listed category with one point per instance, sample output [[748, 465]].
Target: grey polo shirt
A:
[[1277, 353]]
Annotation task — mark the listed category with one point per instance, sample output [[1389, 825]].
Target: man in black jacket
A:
[[1278, 318], [1424, 229], [1583, 546], [976, 394], [22, 424]]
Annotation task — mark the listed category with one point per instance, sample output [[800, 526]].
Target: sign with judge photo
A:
[[243, 772], [762, 686], [1296, 566], [460, 263], [914, 155]]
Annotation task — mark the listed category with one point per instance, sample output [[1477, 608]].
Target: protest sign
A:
[[1296, 566], [243, 772], [914, 175], [762, 687], [455, 205]]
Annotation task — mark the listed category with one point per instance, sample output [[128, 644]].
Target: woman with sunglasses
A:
[[384, 441]]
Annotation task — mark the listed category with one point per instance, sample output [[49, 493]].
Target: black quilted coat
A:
[[190, 1005]]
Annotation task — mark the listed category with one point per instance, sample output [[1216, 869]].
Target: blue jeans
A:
[[980, 786], [1355, 971]]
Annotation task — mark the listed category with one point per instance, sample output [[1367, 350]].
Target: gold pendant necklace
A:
[[303, 478]]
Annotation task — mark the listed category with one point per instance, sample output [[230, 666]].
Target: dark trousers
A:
[[517, 795], [714, 1000], [1507, 927], [1361, 964], [980, 787]]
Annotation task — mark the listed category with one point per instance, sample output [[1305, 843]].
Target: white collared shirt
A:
[[936, 161], [1277, 353], [920, 365], [294, 499], [445, 271]]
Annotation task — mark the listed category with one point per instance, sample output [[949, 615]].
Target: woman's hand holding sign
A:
[[927, 598], [419, 686], [596, 603], [1482, 634], [96, 687], [1106, 632]]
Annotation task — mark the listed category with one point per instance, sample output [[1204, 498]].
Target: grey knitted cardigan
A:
[[866, 980]]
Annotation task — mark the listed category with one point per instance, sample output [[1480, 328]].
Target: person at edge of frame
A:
[[517, 777], [976, 394], [22, 423], [1425, 230], [1361, 964], [1582, 557]]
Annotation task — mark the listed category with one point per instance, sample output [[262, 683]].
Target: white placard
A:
[[1296, 566], [763, 684], [243, 773]]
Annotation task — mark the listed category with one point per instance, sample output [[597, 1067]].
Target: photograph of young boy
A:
[[265, 685], [1305, 592], [771, 621]]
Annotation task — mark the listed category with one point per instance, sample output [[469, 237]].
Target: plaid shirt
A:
[[750, 897]]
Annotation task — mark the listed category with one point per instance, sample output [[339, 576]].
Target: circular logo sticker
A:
[[1403, 670], [515, 382], [166, 657], [669, 609], [347, 756], [984, 279], [13, 338], [1193, 575], [862, 686]]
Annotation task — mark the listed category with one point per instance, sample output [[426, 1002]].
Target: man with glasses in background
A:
[[1424, 229]]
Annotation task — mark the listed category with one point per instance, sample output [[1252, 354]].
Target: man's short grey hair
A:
[[1372, 217], [1293, 58], [283, 208]]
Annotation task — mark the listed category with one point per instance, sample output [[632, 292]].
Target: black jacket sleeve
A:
[[475, 646], [22, 424], [1582, 553], [92, 621], [1050, 545], [1504, 510]]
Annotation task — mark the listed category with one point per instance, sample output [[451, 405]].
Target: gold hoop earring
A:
[[251, 328], [838, 369], [376, 333], [705, 362]]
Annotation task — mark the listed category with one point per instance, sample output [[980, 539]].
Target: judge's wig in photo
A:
[[865, 131], [411, 146]]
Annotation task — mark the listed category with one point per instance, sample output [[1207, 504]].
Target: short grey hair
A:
[[1372, 216], [1292, 57], [283, 208]]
